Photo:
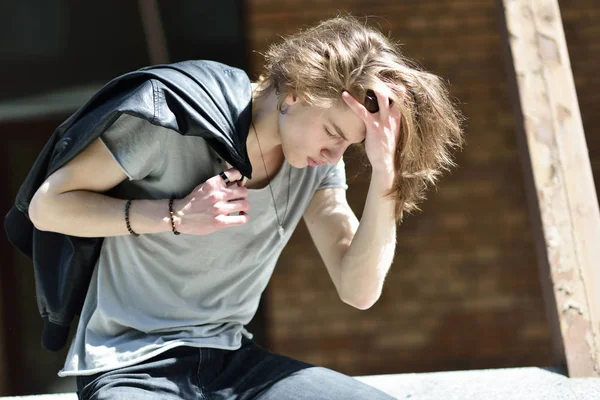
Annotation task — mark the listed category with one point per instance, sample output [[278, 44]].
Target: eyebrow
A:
[[339, 132]]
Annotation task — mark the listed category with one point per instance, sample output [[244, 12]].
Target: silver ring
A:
[[225, 178]]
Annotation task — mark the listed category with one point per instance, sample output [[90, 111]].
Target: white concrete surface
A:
[[494, 384]]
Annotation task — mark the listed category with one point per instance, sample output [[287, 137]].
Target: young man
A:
[[195, 179]]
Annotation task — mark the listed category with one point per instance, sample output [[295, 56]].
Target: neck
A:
[[265, 127]]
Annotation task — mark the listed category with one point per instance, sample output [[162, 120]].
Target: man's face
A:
[[311, 136]]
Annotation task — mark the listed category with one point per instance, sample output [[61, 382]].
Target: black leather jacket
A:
[[199, 98]]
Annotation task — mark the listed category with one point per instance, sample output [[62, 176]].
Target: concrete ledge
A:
[[502, 384], [505, 384], [57, 396]]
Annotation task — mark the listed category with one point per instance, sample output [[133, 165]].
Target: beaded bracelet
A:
[[171, 213], [127, 205]]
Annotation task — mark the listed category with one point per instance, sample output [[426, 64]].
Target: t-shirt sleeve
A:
[[136, 145], [334, 176]]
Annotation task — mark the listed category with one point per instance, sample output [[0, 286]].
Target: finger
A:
[[402, 90], [358, 108], [235, 193], [384, 105], [232, 220], [234, 206], [396, 113], [232, 175]]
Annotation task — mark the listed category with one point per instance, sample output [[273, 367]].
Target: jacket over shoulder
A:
[[197, 98]]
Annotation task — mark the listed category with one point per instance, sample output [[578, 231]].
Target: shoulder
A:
[[212, 70], [205, 80], [212, 90]]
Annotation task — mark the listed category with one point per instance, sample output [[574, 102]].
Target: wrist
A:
[[174, 218], [150, 216], [383, 178]]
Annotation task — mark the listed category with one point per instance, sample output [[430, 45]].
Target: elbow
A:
[[362, 302], [36, 212], [360, 289]]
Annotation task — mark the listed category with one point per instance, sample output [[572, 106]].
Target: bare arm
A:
[[357, 256], [71, 202]]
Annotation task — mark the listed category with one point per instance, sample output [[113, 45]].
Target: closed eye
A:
[[331, 135]]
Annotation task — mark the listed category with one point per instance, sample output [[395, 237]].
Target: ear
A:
[[291, 99]]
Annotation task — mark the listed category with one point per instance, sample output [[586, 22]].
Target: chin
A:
[[296, 164], [295, 160]]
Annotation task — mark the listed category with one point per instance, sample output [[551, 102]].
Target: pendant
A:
[[281, 231]]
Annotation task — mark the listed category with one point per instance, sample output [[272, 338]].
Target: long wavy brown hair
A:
[[342, 53]]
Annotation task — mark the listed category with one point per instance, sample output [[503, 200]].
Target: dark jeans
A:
[[248, 373]]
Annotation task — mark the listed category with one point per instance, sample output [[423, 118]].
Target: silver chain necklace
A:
[[279, 221]]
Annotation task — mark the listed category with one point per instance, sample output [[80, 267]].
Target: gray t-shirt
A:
[[155, 292]]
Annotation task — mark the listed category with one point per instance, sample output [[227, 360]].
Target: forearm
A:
[[89, 214], [368, 259]]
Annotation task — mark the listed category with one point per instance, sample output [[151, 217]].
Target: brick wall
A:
[[464, 289]]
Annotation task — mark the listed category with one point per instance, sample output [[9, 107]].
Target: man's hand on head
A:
[[383, 130]]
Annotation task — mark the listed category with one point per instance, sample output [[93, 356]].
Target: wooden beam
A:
[[154, 32], [562, 177], [3, 357]]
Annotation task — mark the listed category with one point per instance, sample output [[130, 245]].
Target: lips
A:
[[313, 163]]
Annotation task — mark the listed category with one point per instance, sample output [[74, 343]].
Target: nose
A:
[[333, 155]]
